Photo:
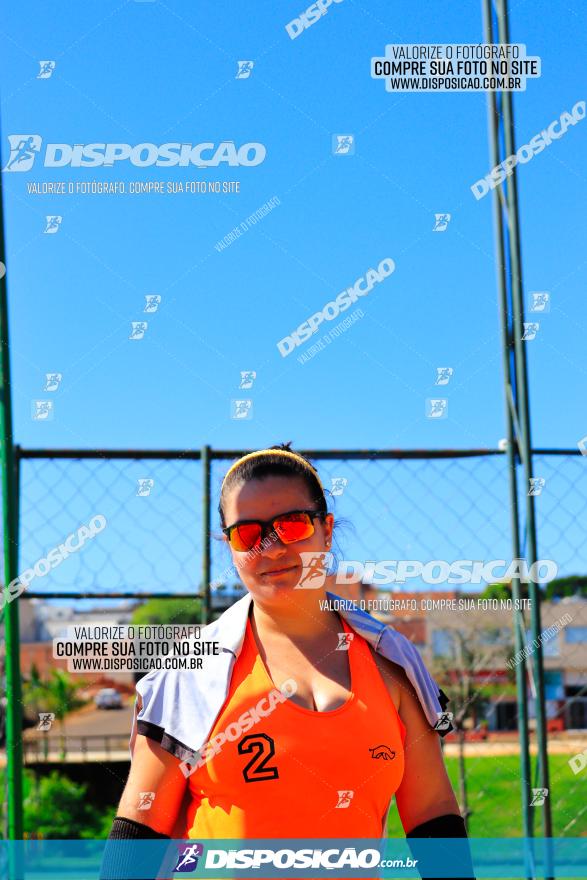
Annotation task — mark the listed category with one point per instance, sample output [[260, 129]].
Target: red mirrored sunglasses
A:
[[296, 525]]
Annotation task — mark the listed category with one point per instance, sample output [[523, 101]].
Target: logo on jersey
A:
[[383, 753]]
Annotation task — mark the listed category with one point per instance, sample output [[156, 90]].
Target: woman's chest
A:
[[262, 738], [322, 684]]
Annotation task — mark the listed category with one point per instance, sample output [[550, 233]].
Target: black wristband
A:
[[448, 825], [457, 860], [121, 860], [128, 829]]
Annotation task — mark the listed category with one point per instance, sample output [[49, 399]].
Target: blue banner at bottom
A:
[[289, 858]]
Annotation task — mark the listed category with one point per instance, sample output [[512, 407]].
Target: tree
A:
[[180, 611], [470, 647], [504, 591], [59, 694], [573, 585], [57, 808], [33, 693]]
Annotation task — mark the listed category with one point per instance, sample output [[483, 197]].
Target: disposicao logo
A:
[[24, 149], [361, 287]]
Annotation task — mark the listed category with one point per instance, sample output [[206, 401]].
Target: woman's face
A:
[[275, 566]]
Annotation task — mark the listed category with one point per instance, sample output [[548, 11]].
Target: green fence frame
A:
[[519, 451], [517, 405], [10, 541]]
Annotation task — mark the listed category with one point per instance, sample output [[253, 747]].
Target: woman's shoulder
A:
[[178, 706], [403, 695], [394, 677]]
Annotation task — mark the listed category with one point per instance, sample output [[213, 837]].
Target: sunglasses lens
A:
[[295, 527], [246, 536]]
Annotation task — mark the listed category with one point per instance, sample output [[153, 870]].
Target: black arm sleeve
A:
[[121, 861], [459, 856]]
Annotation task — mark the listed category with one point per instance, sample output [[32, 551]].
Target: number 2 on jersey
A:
[[263, 748]]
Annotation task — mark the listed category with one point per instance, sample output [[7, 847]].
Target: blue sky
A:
[[165, 71]]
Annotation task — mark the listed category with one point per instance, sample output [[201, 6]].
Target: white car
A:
[[108, 698]]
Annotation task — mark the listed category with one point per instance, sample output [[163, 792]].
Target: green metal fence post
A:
[[523, 404], [10, 539], [507, 346], [206, 519]]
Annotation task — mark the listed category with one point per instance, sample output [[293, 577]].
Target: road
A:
[[90, 721]]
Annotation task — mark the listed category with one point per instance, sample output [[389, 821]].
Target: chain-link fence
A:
[[391, 505], [400, 507], [152, 542]]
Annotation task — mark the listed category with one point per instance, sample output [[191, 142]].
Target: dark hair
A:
[[275, 466]]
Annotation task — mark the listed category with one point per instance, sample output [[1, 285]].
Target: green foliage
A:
[[58, 694], [62, 693], [497, 591], [504, 591], [574, 585], [495, 798], [560, 588], [179, 611], [103, 825], [32, 693], [57, 808]]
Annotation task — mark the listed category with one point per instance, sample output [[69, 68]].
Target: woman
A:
[[307, 706]]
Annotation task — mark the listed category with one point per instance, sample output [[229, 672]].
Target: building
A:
[[487, 632], [40, 622]]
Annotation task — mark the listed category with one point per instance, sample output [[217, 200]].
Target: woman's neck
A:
[[299, 619]]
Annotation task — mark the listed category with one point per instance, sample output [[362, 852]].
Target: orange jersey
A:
[[296, 772]]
